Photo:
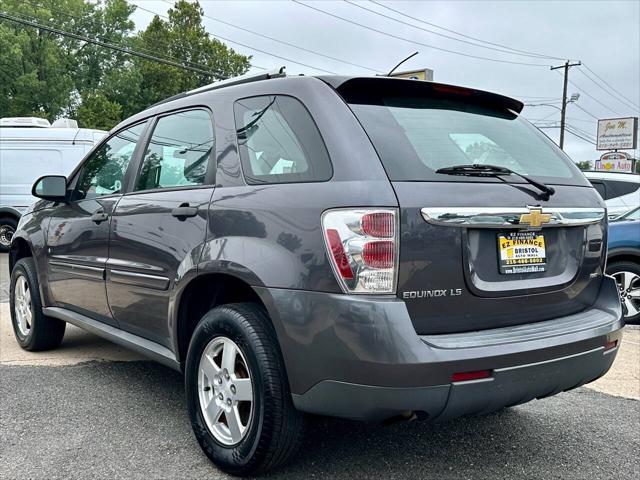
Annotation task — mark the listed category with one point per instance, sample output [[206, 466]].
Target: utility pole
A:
[[563, 111]]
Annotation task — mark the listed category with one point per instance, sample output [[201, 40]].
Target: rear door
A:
[[78, 233], [480, 252], [158, 228]]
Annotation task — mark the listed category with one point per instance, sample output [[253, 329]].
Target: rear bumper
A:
[[360, 358]]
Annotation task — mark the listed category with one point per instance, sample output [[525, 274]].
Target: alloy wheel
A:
[[629, 287], [22, 305], [225, 391], [6, 234]]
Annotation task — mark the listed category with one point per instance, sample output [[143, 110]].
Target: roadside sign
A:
[[425, 74], [614, 162], [617, 134]]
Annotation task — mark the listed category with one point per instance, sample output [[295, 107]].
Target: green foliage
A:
[[97, 111], [44, 74], [586, 165]]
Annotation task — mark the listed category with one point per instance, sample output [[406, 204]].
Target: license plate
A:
[[521, 252]]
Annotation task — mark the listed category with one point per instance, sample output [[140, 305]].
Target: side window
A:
[[616, 188], [179, 151], [600, 188], [279, 141], [103, 173]]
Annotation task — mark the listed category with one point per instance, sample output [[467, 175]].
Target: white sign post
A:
[[617, 134]]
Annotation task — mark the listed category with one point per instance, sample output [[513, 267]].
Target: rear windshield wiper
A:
[[479, 170]]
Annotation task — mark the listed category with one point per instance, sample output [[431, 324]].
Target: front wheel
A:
[[237, 391], [33, 330], [627, 276]]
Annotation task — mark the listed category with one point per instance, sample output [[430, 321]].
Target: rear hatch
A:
[[480, 251]]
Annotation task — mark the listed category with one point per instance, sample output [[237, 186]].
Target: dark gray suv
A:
[[366, 248]]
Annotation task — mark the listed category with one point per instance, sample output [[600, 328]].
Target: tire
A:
[[33, 330], [627, 275], [273, 428], [8, 227]]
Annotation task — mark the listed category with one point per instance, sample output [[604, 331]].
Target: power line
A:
[[501, 50], [278, 41], [569, 131], [466, 36], [610, 86], [627, 104], [544, 118], [586, 111], [112, 46], [256, 49], [139, 48], [414, 42], [583, 131], [593, 98]]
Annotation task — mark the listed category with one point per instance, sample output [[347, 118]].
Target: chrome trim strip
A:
[[79, 258], [86, 271], [138, 279], [509, 217], [116, 262]]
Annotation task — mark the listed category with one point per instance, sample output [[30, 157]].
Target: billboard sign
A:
[[425, 74], [617, 134], [614, 162]]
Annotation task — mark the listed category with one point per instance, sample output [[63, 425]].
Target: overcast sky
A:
[[604, 35]]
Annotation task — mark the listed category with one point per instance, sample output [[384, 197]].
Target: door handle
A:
[[184, 211], [99, 217]]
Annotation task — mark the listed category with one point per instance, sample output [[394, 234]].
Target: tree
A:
[[96, 111], [35, 66], [182, 38], [585, 165], [48, 75]]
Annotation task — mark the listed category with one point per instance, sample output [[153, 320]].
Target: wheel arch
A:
[[201, 294], [20, 248], [10, 212], [623, 255]]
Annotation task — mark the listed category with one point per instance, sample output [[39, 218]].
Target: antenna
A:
[[396, 67]]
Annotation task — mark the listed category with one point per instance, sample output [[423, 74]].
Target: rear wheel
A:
[[33, 330], [237, 391], [7, 229], [627, 276]]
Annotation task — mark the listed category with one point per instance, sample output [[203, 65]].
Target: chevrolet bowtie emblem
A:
[[535, 218]]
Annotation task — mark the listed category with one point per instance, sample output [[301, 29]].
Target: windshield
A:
[[632, 215], [415, 136]]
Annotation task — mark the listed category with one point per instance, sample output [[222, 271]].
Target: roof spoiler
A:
[[353, 85]]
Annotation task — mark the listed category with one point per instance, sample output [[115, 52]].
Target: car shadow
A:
[[531, 440]]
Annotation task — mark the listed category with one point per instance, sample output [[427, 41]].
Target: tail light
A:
[[362, 245]]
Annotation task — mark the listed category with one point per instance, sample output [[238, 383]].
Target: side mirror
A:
[[51, 187]]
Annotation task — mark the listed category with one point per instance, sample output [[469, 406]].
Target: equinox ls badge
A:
[[535, 218], [452, 292]]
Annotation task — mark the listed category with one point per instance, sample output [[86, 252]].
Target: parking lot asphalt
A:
[[93, 410]]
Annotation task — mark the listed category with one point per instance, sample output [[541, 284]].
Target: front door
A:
[[158, 228], [78, 234]]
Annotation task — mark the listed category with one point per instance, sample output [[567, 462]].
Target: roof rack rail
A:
[[247, 78]]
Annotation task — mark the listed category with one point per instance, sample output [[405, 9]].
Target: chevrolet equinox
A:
[[365, 248]]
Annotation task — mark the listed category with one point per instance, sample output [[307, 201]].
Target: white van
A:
[[30, 148]]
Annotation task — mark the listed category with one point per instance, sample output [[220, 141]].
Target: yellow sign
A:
[[425, 74]]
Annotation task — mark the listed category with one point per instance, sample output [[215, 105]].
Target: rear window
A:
[[415, 135]]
